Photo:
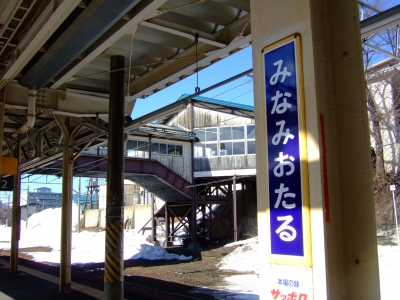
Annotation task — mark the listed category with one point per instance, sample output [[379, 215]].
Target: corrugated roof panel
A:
[[220, 102]]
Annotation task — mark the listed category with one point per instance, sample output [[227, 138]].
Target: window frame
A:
[[203, 144]]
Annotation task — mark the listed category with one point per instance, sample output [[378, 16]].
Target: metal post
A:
[[167, 225], [91, 194], [114, 248], [397, 42], [235, 236], [79, 206], [153, 225], [16, 217], [172, 228], [193, 218], [242, 199], [149, 146], [393, 189], [203, 213], [15, 223], [66, 212]]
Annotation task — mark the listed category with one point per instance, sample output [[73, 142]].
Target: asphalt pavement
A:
[[22, 285], [40, 281]]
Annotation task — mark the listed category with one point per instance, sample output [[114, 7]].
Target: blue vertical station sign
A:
[[287, 176]]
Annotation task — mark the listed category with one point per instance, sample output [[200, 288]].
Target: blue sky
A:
[[239, 91]]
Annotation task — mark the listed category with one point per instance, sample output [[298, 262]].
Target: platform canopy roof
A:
[[61, 50]]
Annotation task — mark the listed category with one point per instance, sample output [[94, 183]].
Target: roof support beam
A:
[[380, 21], [85, 29], [109, 39], [377, 49], [164, 74], [181, 33], [235, 31], [43, 28]]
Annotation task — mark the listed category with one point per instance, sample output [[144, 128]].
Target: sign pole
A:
[[393, 189]]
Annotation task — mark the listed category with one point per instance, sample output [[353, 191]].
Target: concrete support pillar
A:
[[343, 250], [114, 248], [66, 212]]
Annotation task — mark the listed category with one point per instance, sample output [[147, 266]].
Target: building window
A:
[[141, 149], [227, 140], [137, 149], [251, 139], [208, 145]]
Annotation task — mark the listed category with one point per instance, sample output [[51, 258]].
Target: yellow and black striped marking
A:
[[114, 251]]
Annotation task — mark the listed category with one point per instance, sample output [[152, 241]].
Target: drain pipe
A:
[[30, 115]]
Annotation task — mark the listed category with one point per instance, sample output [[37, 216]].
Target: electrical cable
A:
[[137, 66]]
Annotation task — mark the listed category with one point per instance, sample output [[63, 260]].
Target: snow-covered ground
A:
[[43, 229]]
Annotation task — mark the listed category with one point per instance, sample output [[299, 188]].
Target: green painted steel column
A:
[[114, 248]]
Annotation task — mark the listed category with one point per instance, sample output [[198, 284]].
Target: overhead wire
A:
[[137, 66]]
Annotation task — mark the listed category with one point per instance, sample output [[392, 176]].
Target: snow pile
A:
[[243, 259], [50, 219], [389, 266], [253, 240], [151, 252], [44, 229]]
